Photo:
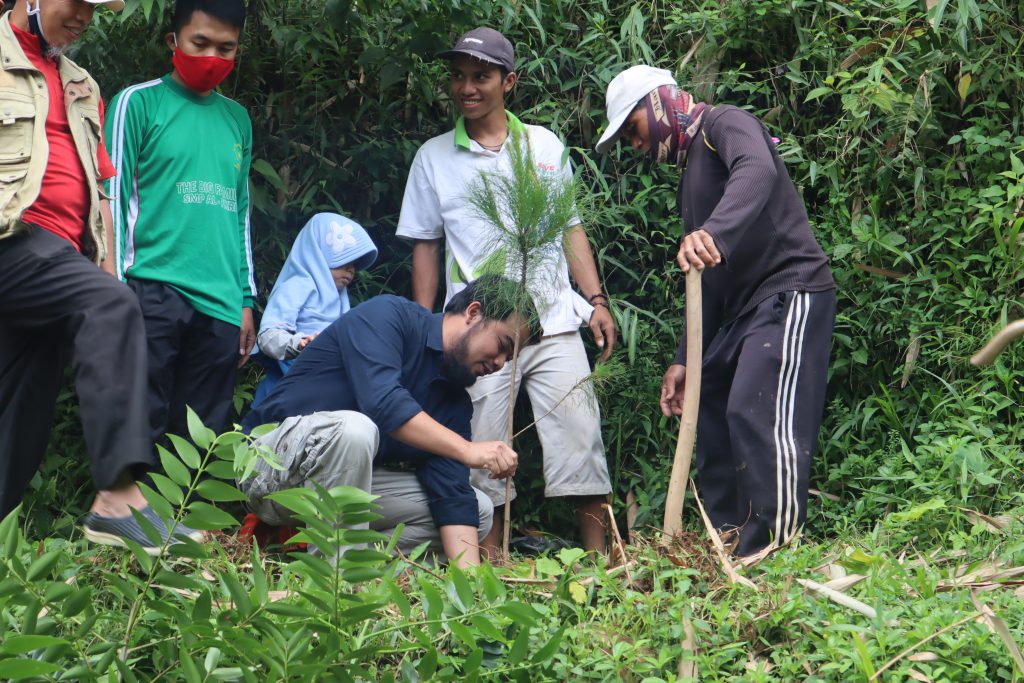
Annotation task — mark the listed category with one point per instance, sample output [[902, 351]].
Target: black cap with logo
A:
[[484, 44]]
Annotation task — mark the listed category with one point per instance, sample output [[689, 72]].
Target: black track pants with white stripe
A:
[[761, 403]]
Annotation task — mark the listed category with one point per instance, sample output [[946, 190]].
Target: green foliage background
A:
[[902, 130], [900, 121]]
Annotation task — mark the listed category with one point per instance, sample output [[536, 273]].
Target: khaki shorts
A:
[[574, 462]]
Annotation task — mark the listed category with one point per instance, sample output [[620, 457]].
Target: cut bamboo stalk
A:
[[673, 522], [988, 353], [839, 598], [687, 668], [716, 542], [617, 542]]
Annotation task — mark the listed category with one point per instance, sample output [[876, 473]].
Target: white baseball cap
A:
[[624, 92]]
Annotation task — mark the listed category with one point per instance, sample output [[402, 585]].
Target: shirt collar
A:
[[188, 93], [13, 52], [435, 340], [462, 138]]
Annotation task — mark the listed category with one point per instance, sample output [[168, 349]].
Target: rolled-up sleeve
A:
[[451, 499], [371, 343]]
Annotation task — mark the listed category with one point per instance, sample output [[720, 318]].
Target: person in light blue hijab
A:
[[312, 290]]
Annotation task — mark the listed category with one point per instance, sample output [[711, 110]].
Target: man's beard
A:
[[454, 366], [55, 52]]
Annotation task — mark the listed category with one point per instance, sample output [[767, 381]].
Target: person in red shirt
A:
[[56, 305]]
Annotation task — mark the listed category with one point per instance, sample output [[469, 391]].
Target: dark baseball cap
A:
[[484, 44]]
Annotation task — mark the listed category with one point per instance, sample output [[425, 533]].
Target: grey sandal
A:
[[115, 530]]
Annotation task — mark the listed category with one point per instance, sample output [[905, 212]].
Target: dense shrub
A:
[[901, 124], [903, 131]]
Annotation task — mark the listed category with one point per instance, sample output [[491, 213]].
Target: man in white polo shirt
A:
[[435, 208]]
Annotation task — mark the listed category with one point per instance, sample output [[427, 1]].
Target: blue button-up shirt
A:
[[383, 359]]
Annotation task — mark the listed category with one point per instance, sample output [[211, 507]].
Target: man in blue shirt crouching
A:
[[378, 401]]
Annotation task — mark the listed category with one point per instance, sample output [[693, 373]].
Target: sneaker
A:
[[115, 530]]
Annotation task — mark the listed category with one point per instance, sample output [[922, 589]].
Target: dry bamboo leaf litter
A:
[[913, 351], [995, 523], [843, 583], [923, 657], [827, 496], [918, 676], [892, 662], [716, 541], [997, 626]]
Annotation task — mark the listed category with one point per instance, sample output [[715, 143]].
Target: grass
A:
[[944, 608]]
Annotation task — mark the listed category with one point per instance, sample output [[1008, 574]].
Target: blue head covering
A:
[[305, 298]]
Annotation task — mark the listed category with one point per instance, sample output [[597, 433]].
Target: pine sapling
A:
[[530, 211]]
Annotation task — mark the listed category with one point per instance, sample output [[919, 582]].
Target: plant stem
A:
[[505, 532], [133, 614]]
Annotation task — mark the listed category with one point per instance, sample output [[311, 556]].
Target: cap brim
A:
[[366, 260], [115, 5], [614, 130], [452, 54]]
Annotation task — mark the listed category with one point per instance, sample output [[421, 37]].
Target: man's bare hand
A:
[[603, 326], [698, 250], [494, 456], [305, 341], [672, 390], [246, 337]]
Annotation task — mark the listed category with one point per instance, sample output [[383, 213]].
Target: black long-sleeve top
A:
[[737, 189]]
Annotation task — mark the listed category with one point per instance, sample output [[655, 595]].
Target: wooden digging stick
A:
[[691, 402], [995, 345]]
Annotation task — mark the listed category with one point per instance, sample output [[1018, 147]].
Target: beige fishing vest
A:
[[24, 102]]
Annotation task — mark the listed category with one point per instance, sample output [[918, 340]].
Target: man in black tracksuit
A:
[[768, 304]]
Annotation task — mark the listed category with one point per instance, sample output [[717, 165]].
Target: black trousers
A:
[[193, 359], [762, 398], [56, 306]]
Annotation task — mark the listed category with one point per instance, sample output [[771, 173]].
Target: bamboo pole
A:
[[673, 522], [995, 345]]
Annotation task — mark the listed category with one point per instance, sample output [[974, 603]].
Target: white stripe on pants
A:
[[788, 510]]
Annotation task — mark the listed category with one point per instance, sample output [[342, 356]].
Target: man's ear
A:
[[510, 80], [169, 39], [473, 314]]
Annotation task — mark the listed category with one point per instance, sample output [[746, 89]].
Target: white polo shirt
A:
[[435, 206]]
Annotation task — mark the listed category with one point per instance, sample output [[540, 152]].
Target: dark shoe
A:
[[537, 545], [115, 530]]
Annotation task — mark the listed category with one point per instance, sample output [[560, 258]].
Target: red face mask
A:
[[201, 74]]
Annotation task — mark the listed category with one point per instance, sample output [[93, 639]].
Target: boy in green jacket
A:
[[181, 217]]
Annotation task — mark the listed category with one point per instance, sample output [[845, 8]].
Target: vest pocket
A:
[[10, 183], [17, 114], [93, 133]]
